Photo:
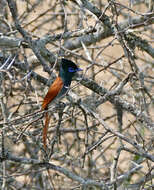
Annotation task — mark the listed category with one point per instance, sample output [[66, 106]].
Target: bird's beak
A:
[[79, 69]]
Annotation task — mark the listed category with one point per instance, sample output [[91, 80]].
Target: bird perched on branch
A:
[[58, 89]]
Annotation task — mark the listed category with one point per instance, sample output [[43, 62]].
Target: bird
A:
[[58, 89]]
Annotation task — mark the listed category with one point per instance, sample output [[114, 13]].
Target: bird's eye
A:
[[71, 70]]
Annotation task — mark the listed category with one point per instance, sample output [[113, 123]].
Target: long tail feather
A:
[[45, 130]]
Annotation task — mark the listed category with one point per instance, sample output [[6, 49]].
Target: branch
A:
[[104, 32], [115, 100], [9, 42], [140, 151], [47, 165]]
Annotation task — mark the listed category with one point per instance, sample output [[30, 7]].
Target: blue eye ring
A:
[[71, 70]]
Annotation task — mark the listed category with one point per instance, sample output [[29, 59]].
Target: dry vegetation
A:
[[102, 137]]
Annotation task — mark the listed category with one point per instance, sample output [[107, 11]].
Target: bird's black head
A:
[[69, 66], [67, 70]]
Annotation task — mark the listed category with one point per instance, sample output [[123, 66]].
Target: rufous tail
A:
[[45, 130]]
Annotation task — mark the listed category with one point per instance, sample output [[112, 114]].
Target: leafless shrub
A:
[[102, 137]]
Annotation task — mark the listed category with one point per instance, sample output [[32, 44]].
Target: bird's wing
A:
[[53, 91]]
